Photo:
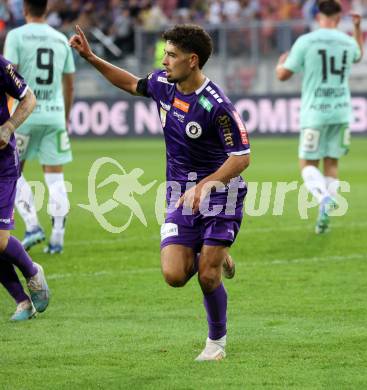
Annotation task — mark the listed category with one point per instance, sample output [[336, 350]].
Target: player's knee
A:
[[209, 280], [174, 279]]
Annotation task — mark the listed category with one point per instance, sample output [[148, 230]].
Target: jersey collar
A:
[[205, 83]]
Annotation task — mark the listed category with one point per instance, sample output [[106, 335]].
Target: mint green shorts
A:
[[51, 146], [326, 141]]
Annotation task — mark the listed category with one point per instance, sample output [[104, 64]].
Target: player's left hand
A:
[[282, 58], [356, 19], [193, 197], [5, 134]]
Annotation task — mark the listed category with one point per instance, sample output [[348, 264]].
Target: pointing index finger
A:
[[80, 32]]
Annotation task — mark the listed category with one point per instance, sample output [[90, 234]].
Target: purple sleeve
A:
[[157, 84], [231, 130], [12, 83]]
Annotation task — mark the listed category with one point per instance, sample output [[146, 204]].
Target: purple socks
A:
[[9, 279], [15, 254], [216, 308]]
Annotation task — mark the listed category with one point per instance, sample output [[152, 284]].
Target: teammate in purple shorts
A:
[[11, 250], [207, 149]]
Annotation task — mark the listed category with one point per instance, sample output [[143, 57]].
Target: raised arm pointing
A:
[[115, 75]]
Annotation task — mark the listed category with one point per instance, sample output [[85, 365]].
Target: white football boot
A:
[[214, 350], [38, 288], [25, 311]]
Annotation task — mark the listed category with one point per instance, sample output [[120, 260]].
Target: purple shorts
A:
[[7, 199], [197, 230]]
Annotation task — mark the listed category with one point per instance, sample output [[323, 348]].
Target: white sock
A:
[[315, 182], [58, 206], [24, 203], [332, 185]]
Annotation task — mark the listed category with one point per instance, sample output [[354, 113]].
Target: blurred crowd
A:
[[115, 16], [117, 19]]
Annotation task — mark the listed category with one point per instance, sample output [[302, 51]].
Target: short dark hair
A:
[[36, 7], [191, 38], [329, 7]]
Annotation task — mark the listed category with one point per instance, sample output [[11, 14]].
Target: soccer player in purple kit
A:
[[207, 143], [12, 253]]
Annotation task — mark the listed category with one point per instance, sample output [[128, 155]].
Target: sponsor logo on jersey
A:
[[181, 105], [180, 117], [54, 108], [241, 127], [231, 232], [225, 124], [169, 230], [311, 140], [40, 38], [5, 220], [11, 72], [166, 106], [43, 94], [163, 115], [193, 130], [163, 80], [205, 103]]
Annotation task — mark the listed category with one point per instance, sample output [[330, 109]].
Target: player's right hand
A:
[[80, 43], [283, 58], [5, 134], [356, 19]]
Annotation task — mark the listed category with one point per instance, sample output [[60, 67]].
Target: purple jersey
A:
[[11, 83], [201, 129]]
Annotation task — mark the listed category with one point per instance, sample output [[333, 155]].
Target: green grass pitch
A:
[[297, 307]]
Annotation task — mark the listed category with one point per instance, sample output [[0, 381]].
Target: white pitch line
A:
[[302, 260], [101, 273], [315, 259], [122, 237], [346, 226]]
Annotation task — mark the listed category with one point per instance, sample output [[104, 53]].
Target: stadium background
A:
[[248, 37], [297, 305]]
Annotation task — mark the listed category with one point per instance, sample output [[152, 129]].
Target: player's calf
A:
[[209, 280], [58, 207], [210, 276]]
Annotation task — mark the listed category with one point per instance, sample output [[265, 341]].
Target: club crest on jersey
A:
[[193, 130]]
